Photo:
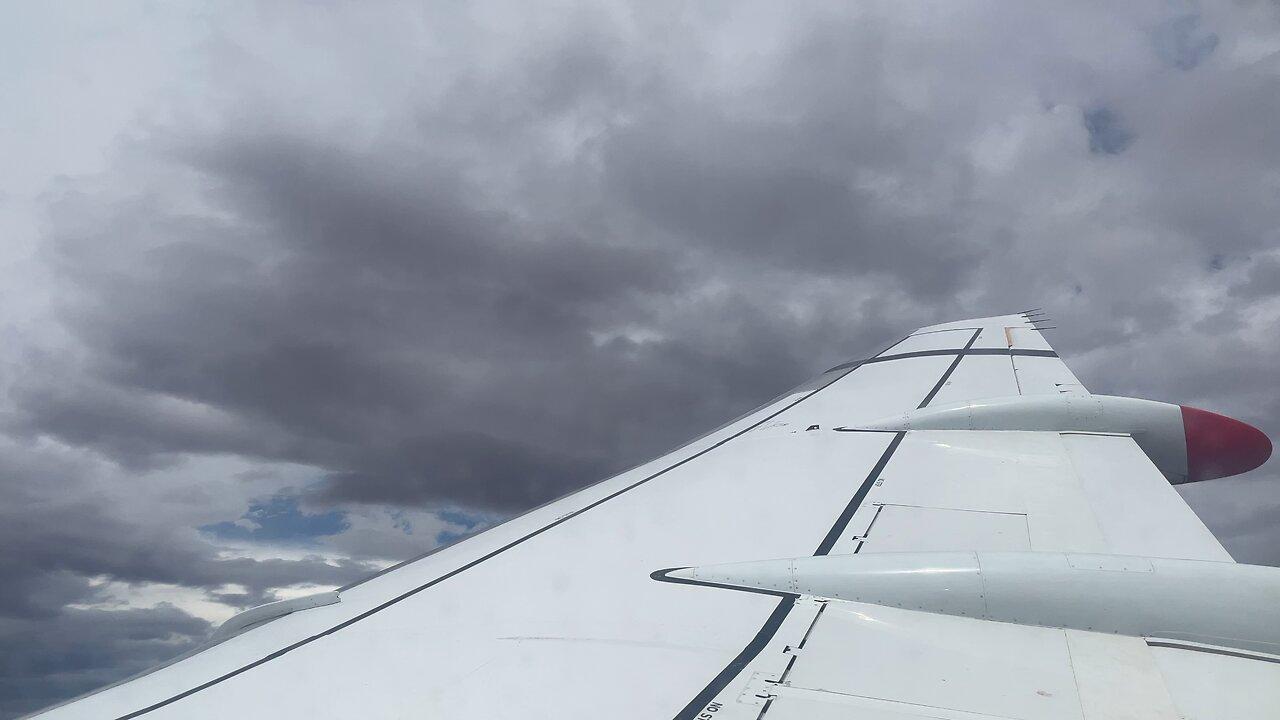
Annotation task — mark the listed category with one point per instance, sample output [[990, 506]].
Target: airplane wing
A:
[[885, 541]]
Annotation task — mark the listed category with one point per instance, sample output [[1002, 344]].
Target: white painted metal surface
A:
[[1035, 375], [254, 617], [897, 527], [1155, 426], [555, 613], [915, 664], [1218, 603], [1117, 678], [1213, 686], [1136, 510]]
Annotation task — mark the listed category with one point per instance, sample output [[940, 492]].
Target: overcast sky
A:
[[291, 291]]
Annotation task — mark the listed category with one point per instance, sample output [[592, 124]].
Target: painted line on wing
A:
[[959, 352], [776, 618], [780, 613], [919, 333], [1213, 651], [947, 375], [664, 576]]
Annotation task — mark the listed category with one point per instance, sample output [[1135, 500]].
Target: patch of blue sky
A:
[[279, 519], [401, 522], [465, 522]]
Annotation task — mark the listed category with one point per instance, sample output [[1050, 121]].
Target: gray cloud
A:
[[79, 650], [1182, 43], [1107, 132], [1263, 280]]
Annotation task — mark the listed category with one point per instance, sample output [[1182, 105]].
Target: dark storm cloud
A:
[[482, 469], [461, 311], [379, 319], [78, 650], [332, 367], [784, 191]]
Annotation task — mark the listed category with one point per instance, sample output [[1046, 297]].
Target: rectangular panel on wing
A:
[[1117, 678], [1137, 510], [872, 392], [1209, 686], [1035, 375], [1026, 474], [1044, 375], [1025, 338], [936, 340], [978, 377], [878, 659], [920, 529]]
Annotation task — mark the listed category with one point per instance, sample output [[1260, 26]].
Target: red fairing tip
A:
[[1218, 446]]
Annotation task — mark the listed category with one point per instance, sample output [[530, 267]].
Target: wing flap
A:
[[1076, 493], [1206, 685], [1137, 511], [910, 664], [933, 666]]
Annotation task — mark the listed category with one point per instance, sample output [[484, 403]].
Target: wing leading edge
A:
[[566, 611]]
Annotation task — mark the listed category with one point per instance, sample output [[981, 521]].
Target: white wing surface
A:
[[570, 610]]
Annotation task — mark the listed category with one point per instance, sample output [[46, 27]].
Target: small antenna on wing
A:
[[1037, 317]]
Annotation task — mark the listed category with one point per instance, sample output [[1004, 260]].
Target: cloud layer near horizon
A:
[[333, 285]]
